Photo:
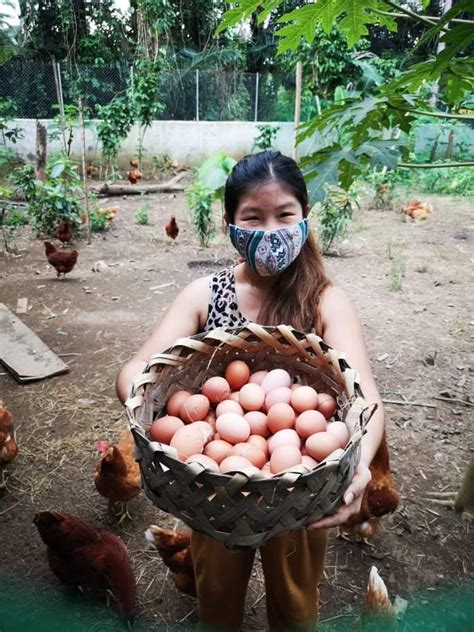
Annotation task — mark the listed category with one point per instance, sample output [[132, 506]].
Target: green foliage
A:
[[64, 124], [142, 216], [144, 92], [16, 217], [214, 172], [334, 216], [266, 137], [451, 181], [116, 120], [99, 222], [199, 199], [55, 199], [8, 132]]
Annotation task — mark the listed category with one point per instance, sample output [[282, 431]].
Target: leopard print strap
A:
[[223, 309]]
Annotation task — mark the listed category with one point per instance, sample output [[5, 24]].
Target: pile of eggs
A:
[[255, 423]]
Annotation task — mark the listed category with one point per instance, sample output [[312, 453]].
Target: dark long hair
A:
[[294, 298]]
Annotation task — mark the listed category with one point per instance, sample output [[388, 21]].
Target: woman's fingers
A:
[[360, 480]]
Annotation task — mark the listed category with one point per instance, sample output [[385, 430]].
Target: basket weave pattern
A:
[[238, 511]]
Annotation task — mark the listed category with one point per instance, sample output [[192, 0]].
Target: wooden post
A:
[[41, 151], [299, 78], [84, 174], [257, 82]]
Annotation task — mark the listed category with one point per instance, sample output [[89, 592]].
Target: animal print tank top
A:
[[223, 309]]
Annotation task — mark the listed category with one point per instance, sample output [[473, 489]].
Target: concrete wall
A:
[[189, 142]]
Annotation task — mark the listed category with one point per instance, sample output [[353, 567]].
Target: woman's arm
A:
[[342, 330], [184, 317]]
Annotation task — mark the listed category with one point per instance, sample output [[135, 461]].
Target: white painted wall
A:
[[189, 142]]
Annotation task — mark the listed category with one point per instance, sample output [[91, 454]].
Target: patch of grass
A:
[[397, 268], [142, 216]]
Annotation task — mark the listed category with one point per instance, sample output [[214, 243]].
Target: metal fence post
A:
[[197, 95], [257, 81]]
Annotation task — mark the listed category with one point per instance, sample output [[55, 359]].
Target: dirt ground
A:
[[420, 340]]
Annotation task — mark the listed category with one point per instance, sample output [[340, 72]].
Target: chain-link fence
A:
[[205, 95]]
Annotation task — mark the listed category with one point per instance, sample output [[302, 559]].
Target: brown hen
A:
[[417, 209], [63, 261], [81, 555], [380, 497], [8, 445], [174, 548], [64, 231], [172, 228], [117, 475]]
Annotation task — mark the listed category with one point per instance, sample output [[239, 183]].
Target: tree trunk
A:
[[465, 497], [41, 151]]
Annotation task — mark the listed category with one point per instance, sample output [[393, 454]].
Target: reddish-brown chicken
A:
[[117, 475], [91, 171], [64, 231], [378, 612], [380, 497], [8, 445], [81, 555], [418, 209], [174, 548], [63, 261], [172, 228], [134, 163], [134, 176]]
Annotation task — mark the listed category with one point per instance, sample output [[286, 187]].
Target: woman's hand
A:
[[352, 500]]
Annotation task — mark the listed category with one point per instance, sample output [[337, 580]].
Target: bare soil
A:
[[412, 285]]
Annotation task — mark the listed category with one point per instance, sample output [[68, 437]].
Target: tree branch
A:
[[461, 117], [411, 14], [430, 17], [445, 165]]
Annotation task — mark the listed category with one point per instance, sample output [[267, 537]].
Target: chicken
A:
[[380, 497], [8, 445], [91, 171], [117, 475], [109, 212], [81, 555], [134, 176], [172, 228], [377, 611], [134, 163], [64, 261], [64, 231], [418, 210], [174, 548]]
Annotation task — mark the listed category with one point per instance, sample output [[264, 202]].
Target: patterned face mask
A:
[[269, 252]]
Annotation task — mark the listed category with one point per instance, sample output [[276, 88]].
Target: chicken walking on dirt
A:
[[117, 475], [64, 231], [8, 445], [172, 228], [174, 548], [378, 612], [62, 260], [85, 557]]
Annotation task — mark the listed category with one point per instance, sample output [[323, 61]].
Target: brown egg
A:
[[216, 389], [260, 442], [163, 429], [284, 457], [257, 377], [233, 428], [266, 471], [277, 396], [340, 431], [252, 452], [309, 422], [327, 404], [229, 406], [280, 416], [204, 460], [275, 379], [237, 373], [235, 464], [251, 397], [235, 396], [218, 450], [206, 429], [304, 398], [308, 461], [211, 419], [174, 403], [284, 438], [321, 444], [194, 408], [258, 423], [187, 441]]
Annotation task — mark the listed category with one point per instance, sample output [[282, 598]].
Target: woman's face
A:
[[268, 207]]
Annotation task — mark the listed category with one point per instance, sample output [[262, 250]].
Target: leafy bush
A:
[[199, 199], [452, 181], [334, 216], [266, 137], [99, 221], [53, 200], [142, 216], [16, 217]]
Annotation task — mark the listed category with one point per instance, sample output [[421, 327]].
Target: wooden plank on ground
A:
[[21, 351]]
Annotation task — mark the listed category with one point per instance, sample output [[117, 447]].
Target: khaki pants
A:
[[293, 563]]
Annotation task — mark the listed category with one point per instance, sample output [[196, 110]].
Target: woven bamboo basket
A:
[[239, 511]]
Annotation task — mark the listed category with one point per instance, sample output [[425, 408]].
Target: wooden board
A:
[[23, 353]]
